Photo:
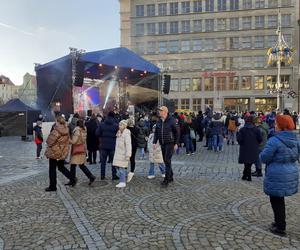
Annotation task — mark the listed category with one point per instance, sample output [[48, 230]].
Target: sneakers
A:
[[163, 176], [92, 179], [151, 177], [165, 183], [275, 230], [121, 185], [257, 174], [130, 176], [48, 189]]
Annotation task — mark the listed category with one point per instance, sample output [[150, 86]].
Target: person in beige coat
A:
[[155, 157], [122, 152], [79, 137]]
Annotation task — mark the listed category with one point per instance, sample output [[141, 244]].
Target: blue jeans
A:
[[231, 136], [209, 143], [258, 163], [122, 174], [161, 167], [217, 142], [188, 144], [110, 155], [142, 152]]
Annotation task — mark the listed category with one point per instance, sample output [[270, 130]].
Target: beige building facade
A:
[[215, 50], [8, 90], [28, 90]]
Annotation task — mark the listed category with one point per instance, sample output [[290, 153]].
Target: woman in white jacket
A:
[[122, 152], [155, 156]]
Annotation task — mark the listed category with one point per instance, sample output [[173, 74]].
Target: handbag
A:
[[38, 140], [78, 149], [192, 134]]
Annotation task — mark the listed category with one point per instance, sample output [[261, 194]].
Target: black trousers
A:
[[110, 154], [92, 155], [247, 171], [132, 159], [52, 171], [201, 134], [167, 152], [38, 149], [83, 168], [194, 144], [278, 206]]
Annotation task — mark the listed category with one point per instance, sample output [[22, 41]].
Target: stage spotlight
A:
[[145, 72], [116, 67], [100, 65], [132, 70], [111, 85]]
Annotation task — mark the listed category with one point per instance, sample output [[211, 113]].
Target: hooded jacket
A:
[[106, 132], [280, 155], [217, 125]]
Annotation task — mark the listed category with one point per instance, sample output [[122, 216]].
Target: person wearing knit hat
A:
[[281, 154], [38, 138], [122, 152], [249, 138]]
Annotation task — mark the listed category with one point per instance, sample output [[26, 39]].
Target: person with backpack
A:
[[232, 129], [217, 131], [280, 155], [38, 139], [142, 138]]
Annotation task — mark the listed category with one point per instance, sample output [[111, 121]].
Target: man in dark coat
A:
[[91, 140], [249, 138], [106, 132], [199, 125]]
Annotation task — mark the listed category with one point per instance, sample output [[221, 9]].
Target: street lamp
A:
[[280, 53]]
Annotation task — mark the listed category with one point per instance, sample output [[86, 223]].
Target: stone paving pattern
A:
[[207, 207]]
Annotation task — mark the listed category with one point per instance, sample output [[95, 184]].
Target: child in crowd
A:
[[155, 156]]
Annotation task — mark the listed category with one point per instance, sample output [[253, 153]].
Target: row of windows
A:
[[228, 83], [197, 6], [209, 44], [210, 25]]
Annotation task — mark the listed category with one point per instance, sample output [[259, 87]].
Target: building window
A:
[[151, 10], [233, 83], [247, 4], [162, 28], [197, 25], [246, 42], [234, 23], [222, 5], [209, 102], [234, 62], [209, 44], [174, 46], [151, 47], [162, 9], [246, 83], [173, 8], [234, 4], [273, 3], [246, 62], [259, 82], [272, 21], [265, 104], [175, 103], [209, 84], [234, 42], [140, 48], [209, 25], [185, 103], [221, 83], [259, 3], [259, 21], [197, 44], [272, 40], [208, 63], [259, 42], [259, 61], [174, 27], [209, 5], [198, 6], [196, 105], [196, 84], [286, 20], [150, 28], [139, 10], [221, 63], [285, 82], [286, 3], [139, 29], [185, 26], [288, 39], [162, 47], [174, 86], [247, 22], [221, 22], [185, 84], [186, 64], [220, 43], [185, 7], [185, 45], [271, 82]]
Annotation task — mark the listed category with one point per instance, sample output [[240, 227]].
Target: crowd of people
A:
[[262, 138]]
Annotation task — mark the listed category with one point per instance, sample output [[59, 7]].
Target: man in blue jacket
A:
[[106, 132], [167, 134]]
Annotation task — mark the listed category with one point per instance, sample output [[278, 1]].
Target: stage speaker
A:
[[166, 84], [79, 74]]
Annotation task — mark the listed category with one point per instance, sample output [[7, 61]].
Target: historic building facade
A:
[[215, 50]]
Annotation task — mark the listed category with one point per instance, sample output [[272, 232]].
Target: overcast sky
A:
[[35, 31]]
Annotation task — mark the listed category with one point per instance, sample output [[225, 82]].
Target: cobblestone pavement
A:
[[207, 207]]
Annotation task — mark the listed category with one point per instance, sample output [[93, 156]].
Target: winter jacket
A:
[[58, 143], [78, 137], [72, 125], [106, 132], [216, 125], [249, 139], [264, 130], [280, 155], [166, 132], [92, 141], [186, 129], [155, 155], [123, 149], [38, 133], [142, 134]]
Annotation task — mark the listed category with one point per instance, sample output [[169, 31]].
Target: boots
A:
[[257, 173], [88, 174], [73, 180]]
